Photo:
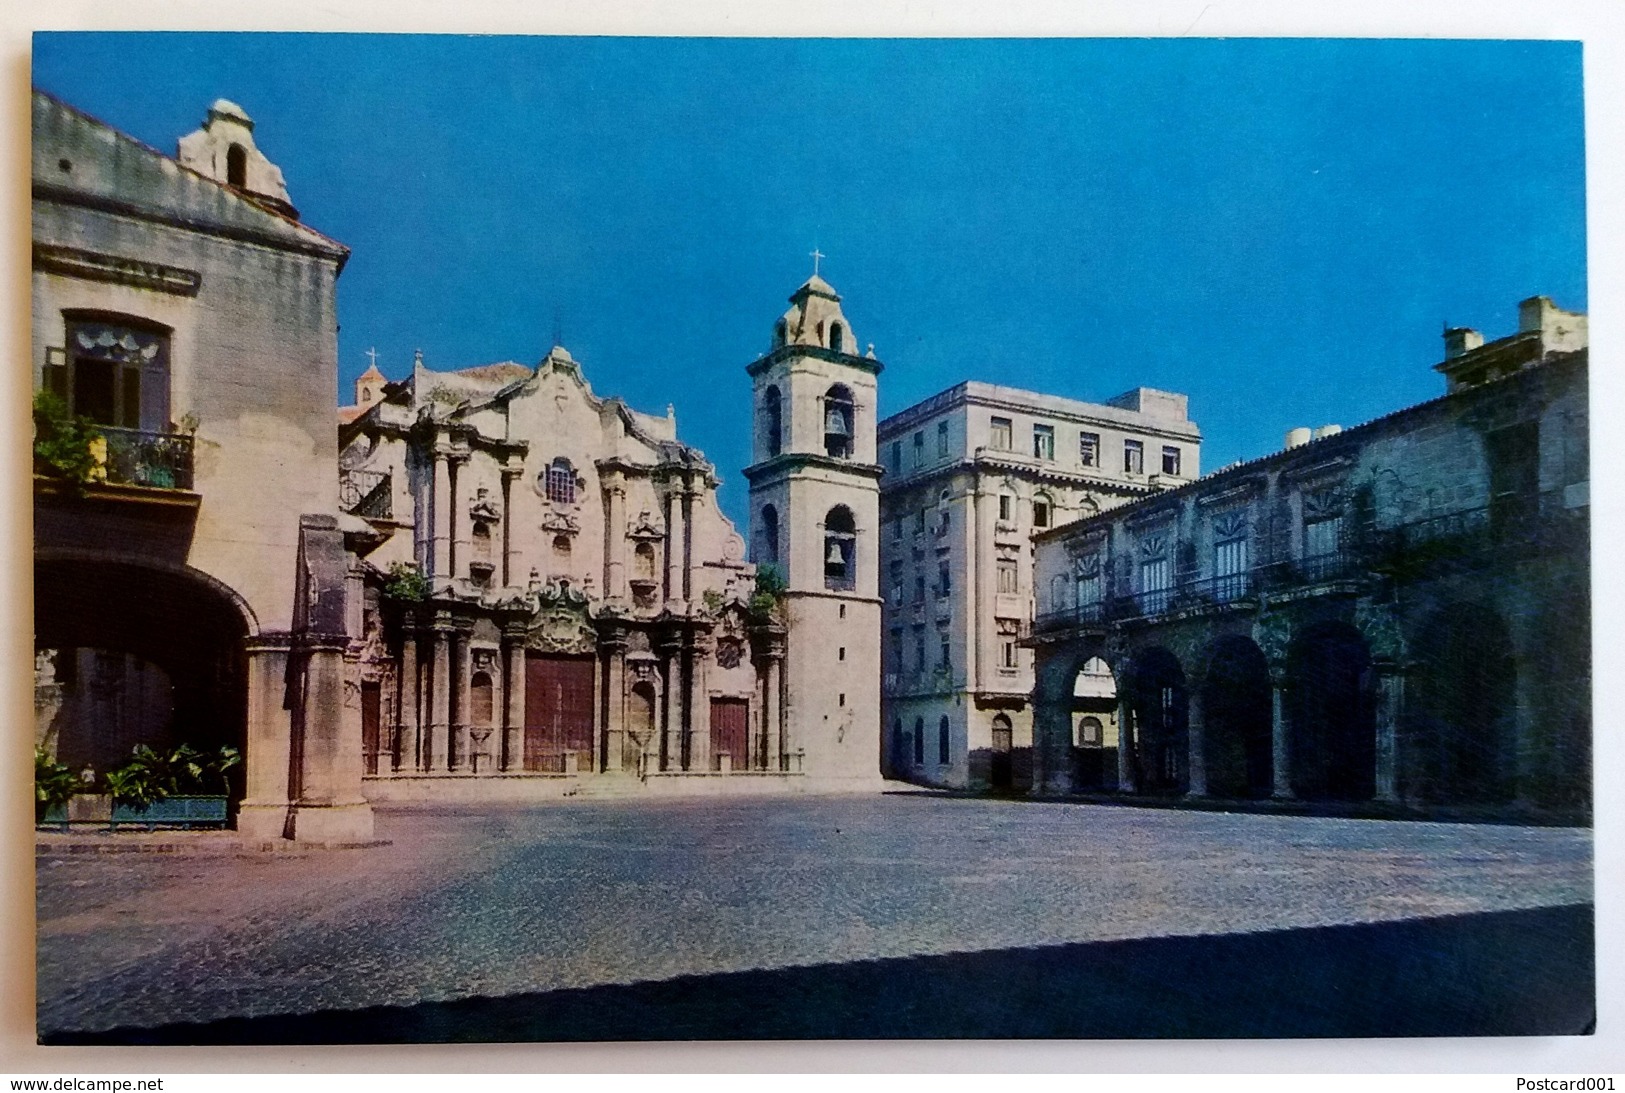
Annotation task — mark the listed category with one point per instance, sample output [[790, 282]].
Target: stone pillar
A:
[[457, 516], [613, 758], [698, 725], [1052, 748], [688, 544], [459, 753], [1125, 746], [438, 734], [671, 711], [513, 713], [676, 535], [513, 551], [615, 538], [265, 809], [407, 704], [1196, 742], [1390, 706], [330, 805], [440, 509], [772, 722], [1280, 746]]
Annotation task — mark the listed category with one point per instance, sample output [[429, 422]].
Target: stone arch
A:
[[839, 418], [1157, 736], [1055, 676], [840, 549], [773, 419], [837, 337], [1459, 735], [237, 166], [1332, 736], [1236, 719], [189, 626], [1001, 773]]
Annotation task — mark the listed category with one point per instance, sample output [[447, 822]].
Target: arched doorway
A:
[[1236, 714], [137, 654], [1000, 772], [1461, 699], [1094, 708], [640, 726], [1333, 718], [1159, 741]]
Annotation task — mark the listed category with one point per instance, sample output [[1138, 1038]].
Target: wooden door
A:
[[371, 710], [558, 712], [730, 731]]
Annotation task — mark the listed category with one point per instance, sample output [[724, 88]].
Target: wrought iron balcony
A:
[[133, 457], [366, 494]]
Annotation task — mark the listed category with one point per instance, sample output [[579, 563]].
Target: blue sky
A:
[[1278, 228]]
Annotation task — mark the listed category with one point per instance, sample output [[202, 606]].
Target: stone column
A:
[[513, 713], [1125, 746], [1390, 705], [1196, 742], [613, 759], [1280, 745], [688, 544], [459, 753], [676, 535], [671, 711], [264, 811], [513, 551], [407, 702], [698, 726], [330, 804], [772, 723], [615, 538], [457, 516], [440, 509], [438, 735]]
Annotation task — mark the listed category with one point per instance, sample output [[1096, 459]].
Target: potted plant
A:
[[178, 787], [54, 787]]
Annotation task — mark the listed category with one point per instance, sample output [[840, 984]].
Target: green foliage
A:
[[63, 442], [406, 584], [768, 597], [151, 776], [54, 783], [712, 600]]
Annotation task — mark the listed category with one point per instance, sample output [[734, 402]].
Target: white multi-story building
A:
[[971, 473]]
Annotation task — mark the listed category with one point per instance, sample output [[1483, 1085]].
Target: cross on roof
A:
[[372, 357], [815, 256]]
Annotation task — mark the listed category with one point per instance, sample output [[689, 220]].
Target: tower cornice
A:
[[816, 352]]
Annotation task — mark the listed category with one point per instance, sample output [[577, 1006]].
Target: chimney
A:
[[1461, 339], [1297, 438]]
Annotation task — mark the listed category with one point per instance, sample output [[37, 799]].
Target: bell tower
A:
[[815, 516]]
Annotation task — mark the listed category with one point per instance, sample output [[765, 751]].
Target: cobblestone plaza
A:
[[503, 903]]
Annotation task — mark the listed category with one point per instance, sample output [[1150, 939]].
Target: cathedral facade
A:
[[554, 603]]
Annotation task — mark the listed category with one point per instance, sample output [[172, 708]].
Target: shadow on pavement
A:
[[1515, 973]]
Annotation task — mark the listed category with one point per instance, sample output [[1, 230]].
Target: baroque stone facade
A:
[[1397, 613], [553, 602], [971, 475]]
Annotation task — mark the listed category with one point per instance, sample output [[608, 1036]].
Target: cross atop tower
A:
[[372, 357], [815, 256]]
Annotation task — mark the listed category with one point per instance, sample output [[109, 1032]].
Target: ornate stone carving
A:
[[484, 507], [1381, 629], [647, 528], [562, 630], [1272, 632], [561, 523]]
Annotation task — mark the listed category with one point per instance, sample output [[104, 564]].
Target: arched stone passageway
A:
[[1236, 709], [162, 630], [1157, 739], [1333, 715], [1094, 729], [1461, 699]]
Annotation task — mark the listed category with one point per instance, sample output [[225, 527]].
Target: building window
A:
[[1041, 511], [773, 419], [897, 457], [1230, 556], [643, 562], [561, 482], [945, 656], [1006, 506], [944, 581], [1087, 580], [942, 741], [1007, 655], [769, 552], [1007, 577], [1170, 460], [999, 434], [897, 651], [944, 512], [919, 589], [919, 649], [236, 166], [1133, 457], [1322, 528], [837, 338], [919, 741], [1155, 574], [1090, 732], [942, 440], [840, 549], [919, 522], [1089, 449], [919, 450], [1044, 442], [115, 373], [838, 418]]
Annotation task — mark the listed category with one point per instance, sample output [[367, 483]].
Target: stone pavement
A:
[[487, 904]]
